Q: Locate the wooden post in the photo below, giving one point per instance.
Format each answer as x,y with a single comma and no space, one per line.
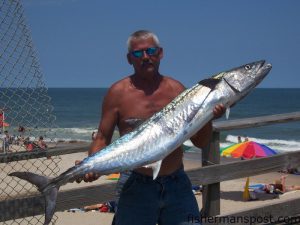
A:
211,192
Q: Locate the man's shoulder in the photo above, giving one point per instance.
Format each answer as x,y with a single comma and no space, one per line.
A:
119,86
121,83
175,84
114,94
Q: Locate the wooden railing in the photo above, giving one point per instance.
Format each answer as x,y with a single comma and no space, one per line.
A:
209,175
211,203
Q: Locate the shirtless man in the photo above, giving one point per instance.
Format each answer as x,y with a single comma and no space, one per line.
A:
167,200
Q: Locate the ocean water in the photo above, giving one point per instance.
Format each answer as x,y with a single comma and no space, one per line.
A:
78,111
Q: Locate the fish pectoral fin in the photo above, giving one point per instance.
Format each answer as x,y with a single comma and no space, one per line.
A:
227,113
155,167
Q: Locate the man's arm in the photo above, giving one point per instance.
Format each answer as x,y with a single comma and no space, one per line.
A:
106,128
107,123
202,137
283,183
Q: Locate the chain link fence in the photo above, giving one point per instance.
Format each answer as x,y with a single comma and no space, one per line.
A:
26,113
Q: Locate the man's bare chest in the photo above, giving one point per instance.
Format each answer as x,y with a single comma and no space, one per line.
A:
143,106
134,111
140,104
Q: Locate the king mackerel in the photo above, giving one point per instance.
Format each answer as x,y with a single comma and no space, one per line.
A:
154,139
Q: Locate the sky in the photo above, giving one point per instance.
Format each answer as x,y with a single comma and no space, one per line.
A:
82,43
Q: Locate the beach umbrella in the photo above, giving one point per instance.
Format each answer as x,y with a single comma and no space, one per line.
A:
225,148
248,150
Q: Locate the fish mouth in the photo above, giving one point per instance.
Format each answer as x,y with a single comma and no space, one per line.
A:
266,66
264,69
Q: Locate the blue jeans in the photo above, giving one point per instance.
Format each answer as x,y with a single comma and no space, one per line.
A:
167,200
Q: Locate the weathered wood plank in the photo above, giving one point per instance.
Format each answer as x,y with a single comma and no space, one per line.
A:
229,171
256,121
272,213
206,175
277,211
62,150
211,192
34,205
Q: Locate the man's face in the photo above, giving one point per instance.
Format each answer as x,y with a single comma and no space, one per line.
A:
145,56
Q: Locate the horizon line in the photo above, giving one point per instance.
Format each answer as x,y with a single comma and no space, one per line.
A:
255,88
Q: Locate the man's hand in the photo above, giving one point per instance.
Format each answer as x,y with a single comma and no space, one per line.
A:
89,177
218,111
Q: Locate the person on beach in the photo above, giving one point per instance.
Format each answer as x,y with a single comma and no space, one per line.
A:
281,186
294,170
239,139
278,187
28,144
94,134
41,143
169,199
6,141
21,131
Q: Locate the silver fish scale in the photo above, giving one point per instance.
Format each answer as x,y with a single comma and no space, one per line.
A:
155,138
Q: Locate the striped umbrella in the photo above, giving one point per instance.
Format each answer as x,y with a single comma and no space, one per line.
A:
248,150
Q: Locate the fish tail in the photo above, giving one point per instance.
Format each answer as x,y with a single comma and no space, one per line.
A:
49,193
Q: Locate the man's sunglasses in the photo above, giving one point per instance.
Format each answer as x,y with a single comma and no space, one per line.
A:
150,51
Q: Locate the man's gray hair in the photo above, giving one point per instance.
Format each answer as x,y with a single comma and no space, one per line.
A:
142,34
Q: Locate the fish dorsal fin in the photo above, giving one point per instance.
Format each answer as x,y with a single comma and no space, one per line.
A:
227,112
155,167
210,82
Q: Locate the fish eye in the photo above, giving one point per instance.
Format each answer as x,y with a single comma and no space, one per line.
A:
247,67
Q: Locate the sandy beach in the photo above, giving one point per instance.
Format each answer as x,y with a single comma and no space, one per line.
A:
231,196
231,191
